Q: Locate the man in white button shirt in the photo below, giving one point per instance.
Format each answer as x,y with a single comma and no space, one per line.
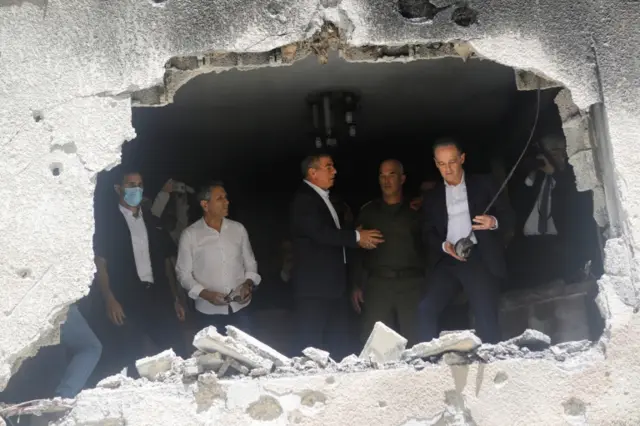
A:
216,264
319,274
454,210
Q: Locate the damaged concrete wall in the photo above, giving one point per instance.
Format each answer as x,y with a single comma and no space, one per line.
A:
68,69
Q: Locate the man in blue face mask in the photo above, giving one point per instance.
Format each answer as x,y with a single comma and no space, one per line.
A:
136,277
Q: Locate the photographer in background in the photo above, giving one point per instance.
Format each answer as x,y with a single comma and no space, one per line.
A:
556,233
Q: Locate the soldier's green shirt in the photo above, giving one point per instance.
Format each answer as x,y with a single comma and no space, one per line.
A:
401,227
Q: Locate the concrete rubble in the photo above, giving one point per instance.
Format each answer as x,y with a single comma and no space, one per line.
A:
383,345
151,367
463,341
240,361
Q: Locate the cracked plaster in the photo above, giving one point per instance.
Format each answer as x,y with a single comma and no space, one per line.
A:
67,70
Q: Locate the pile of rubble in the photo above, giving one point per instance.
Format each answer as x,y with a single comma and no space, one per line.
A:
239,354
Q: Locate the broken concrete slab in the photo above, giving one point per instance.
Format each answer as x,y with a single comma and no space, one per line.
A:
257,346
464,341
209,340
150,367
383,345
318,355
531,339
208,361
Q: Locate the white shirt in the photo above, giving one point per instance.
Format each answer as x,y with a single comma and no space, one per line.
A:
531,225
140,243
459,225
325,197
215,261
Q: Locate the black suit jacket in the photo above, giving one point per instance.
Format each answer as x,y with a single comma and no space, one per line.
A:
318,269
480,191
112,241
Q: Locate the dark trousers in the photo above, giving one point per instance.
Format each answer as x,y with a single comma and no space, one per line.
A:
150,318
240,319
322,323
482,289
394,302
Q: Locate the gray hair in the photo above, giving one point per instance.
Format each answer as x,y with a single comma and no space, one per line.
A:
311,162
396,162
204,193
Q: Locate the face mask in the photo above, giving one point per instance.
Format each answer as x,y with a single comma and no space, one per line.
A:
133,196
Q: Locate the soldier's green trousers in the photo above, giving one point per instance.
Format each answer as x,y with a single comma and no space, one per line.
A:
393,301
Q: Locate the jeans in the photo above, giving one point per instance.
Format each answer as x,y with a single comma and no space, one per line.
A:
78,338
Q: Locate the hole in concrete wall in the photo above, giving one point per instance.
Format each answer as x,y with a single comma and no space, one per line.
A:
56,168
418,10
38,116
464,16
24,272
250,129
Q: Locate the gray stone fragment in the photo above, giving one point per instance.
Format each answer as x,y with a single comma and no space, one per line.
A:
383,345
258,372
239,367
318,355
208,361
454,358
224,367
463,341
209,340
257,346
349,360
531,339
191,368
151,367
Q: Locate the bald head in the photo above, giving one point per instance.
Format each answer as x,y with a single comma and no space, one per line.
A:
391,177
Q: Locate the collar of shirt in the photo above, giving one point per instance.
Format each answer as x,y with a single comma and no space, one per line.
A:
215,231
448,185
128,213
322,192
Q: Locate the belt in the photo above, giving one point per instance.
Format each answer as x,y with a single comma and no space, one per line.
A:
397,273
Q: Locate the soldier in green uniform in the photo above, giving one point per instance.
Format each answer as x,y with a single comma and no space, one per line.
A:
388,282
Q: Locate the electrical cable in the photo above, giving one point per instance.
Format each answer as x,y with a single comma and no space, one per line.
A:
463,246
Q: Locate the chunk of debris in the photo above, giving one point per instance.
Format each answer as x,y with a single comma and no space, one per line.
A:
208,361
239,367
383,345
114,382
318,355
454,358
191,368
463,341
209,340
531,339
224,367
258,372
150,367
258,347
349,360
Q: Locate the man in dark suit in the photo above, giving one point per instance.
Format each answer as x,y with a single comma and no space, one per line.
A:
555,232
319,274
454,210
135,275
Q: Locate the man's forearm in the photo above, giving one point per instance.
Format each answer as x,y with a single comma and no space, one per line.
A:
170,271
103,278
